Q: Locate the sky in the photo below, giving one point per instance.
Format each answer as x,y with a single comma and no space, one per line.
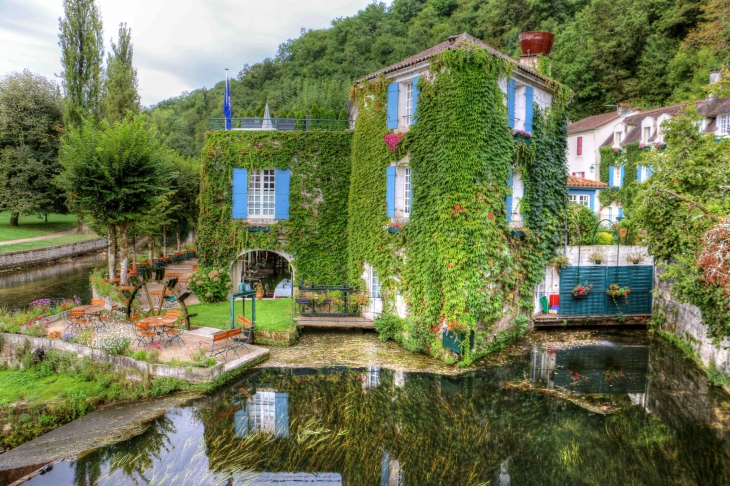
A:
179,45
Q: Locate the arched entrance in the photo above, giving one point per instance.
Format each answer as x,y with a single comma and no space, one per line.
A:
271,268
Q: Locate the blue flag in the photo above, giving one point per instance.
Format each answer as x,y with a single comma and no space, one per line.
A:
227,104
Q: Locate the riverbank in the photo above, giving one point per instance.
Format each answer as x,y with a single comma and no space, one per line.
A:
13,260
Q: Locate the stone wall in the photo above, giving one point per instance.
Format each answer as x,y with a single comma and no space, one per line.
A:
685,320
16,259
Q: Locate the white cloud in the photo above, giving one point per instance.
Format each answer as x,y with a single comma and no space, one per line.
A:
179,45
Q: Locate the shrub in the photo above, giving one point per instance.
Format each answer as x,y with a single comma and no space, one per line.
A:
585,220
210,284
605,238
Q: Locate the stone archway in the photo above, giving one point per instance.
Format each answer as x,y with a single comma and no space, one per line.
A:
237,266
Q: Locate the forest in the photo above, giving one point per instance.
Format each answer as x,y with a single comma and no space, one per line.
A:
645,52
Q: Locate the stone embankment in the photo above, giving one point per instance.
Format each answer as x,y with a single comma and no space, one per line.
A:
25,258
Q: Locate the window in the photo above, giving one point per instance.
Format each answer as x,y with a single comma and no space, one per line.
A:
617,139
647,134
407,192
582,175
408,112
724,124
374,286
617,176
583,199
261,197
647,172
610,214
579,150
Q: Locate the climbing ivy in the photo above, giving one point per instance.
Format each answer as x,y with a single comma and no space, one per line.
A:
464,268
316,231
629,157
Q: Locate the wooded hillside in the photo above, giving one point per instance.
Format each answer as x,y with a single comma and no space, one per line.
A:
646,52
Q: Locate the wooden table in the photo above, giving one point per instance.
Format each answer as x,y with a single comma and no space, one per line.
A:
90,310
152,322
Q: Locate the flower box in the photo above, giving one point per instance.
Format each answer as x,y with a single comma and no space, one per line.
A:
394,230
580,296
259,229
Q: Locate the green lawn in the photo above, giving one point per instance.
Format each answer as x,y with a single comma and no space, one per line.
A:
30,226
59,240
21,385
271,315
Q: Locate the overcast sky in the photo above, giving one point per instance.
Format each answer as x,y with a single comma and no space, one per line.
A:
179,45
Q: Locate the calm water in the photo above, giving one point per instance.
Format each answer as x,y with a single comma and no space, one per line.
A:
58,280
536,419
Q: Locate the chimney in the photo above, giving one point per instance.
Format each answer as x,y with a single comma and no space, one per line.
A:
715,76
623,109
534,44
453,38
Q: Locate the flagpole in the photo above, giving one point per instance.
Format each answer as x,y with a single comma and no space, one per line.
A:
227,122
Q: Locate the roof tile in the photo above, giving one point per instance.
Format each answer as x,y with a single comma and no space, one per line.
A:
574,181
592,122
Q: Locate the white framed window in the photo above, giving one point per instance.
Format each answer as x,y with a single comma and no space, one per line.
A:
617,136
261,195
374,285
724,124
617,176
647,134
583,199
647,172
610,214
408,109
407,192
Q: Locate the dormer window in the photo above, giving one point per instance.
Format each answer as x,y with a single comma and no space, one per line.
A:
617,136
724,124
647,135
408,108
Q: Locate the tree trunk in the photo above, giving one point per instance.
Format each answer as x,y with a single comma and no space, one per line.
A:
46,217
124,251
80,223
151,247
164,240
112,251
134,249
177,235
13,219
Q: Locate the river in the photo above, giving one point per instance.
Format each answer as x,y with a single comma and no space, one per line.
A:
64,279
558,408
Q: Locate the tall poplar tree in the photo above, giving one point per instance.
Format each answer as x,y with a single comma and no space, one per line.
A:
81,38
120,85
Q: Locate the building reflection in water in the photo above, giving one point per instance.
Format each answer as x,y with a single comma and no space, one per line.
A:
391,473
265,412
602,368
371,379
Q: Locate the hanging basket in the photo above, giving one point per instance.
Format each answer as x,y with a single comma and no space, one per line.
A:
580,296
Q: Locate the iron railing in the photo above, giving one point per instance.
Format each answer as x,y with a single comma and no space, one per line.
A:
282,124
316,300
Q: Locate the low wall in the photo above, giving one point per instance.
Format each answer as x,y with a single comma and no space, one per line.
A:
685,320
134,369
16,259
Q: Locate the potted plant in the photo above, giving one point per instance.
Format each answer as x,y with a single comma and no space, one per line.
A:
560,262
522,136
615,291
635,258
395,228
597,257
581,291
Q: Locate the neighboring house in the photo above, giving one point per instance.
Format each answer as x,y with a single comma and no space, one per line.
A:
585,192
523,89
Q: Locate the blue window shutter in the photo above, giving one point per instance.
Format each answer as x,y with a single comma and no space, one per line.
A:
240,193
415,94
620,212
592,197
610,175
392,106
638,173
390,191
508,199
649,171
281,193
621,178
511,103
529,95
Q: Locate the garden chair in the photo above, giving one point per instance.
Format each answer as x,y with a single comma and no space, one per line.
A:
221,344
246,335
141,333
174,332
73,320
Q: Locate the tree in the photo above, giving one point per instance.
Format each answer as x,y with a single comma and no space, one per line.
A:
31,121
116,173
81,38
120,86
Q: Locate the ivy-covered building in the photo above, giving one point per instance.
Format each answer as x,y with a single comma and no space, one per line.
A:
444,201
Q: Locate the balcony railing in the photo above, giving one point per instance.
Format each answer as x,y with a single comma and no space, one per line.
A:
282,124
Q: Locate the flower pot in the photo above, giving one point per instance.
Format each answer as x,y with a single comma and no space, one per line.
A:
580,296
533,43
635,263
597,262
394,230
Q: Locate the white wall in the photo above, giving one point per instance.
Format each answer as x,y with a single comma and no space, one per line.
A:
592,140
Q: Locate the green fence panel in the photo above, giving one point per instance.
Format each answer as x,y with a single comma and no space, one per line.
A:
640,278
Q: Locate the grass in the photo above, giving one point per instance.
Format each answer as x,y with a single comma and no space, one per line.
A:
31,226
59,240
18,385
271,315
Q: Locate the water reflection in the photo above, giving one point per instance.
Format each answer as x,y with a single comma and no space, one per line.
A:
375,426
55,281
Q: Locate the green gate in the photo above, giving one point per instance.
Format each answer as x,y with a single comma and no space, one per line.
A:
639,278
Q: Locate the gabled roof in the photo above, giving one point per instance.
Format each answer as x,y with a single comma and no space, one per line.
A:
574,181
716,106
655,113
592,122
462,41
